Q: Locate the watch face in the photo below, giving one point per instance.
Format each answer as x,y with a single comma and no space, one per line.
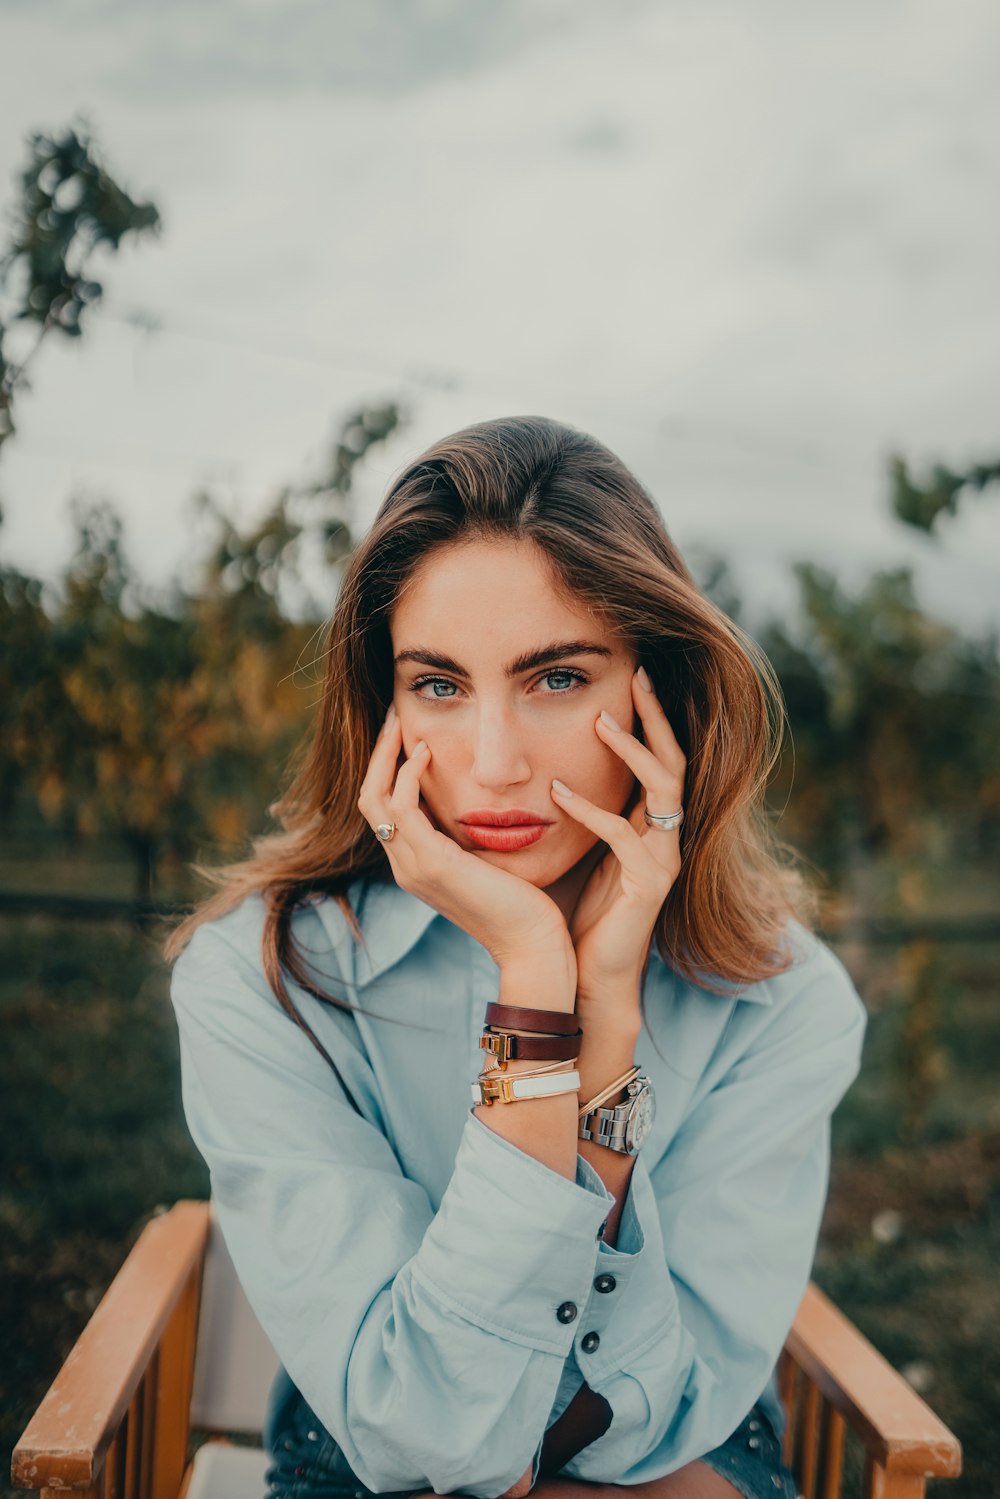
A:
640,1120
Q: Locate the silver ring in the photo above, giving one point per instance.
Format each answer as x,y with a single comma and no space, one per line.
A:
666,823
385,831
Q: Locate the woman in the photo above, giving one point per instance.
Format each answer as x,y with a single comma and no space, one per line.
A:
524,840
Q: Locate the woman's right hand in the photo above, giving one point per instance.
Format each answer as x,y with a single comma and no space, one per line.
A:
507,915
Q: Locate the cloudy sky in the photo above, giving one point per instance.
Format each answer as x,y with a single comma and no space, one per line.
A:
753,248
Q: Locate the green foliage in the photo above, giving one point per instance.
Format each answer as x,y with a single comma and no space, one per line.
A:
251,567
25,643
895,717
70,206
167,724
922,505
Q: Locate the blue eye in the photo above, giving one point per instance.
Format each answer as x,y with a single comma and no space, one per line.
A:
432,682
575,678
561,671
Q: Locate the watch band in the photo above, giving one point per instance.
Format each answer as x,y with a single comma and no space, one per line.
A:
604,1127
625,1127
531,1048
548,1022
511,1089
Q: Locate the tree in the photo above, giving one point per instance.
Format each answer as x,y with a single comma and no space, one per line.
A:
166,722
922,505
895,717
70,207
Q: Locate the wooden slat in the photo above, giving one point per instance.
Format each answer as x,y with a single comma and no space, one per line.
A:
133,1451
173,1405
898,1429
833,1430
807,1457
149,1387
787,1371
65,1443
113,1464
790,1386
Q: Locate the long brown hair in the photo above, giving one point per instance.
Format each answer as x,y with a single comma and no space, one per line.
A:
530,478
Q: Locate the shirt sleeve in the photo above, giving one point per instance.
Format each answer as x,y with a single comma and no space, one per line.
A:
716,1243
430,1344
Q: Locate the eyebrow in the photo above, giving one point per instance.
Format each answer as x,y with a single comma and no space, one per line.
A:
531,659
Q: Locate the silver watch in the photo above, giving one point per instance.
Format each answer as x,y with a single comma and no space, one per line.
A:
626,1127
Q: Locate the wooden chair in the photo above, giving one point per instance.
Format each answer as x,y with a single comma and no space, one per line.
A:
173,1354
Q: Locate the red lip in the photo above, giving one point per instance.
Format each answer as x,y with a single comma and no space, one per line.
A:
513,817
505,840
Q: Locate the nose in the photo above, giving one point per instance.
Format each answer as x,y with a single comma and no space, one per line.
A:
498,751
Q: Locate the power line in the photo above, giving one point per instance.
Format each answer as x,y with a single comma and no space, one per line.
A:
301,353
810,451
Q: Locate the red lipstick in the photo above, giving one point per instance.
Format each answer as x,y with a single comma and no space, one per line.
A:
507,831
511,817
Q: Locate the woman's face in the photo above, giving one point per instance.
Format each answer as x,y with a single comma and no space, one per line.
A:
504,679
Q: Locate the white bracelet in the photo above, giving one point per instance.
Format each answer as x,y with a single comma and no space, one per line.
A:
509,1088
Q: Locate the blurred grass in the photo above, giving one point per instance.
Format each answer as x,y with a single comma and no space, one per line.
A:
911,1234
94,1141
93,1135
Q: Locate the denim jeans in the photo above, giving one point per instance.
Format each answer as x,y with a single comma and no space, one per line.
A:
751,1460
307,1463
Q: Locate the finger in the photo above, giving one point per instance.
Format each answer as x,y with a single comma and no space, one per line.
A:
414,829
656,728
661,784
632,851
404,797
380,776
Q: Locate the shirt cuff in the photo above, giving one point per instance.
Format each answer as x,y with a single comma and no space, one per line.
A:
630,1239
540,1232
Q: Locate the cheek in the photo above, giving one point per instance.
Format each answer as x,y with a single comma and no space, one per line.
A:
618,780
602,776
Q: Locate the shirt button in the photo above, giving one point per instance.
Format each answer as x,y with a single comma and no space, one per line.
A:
590,1342
567,1311
604,1284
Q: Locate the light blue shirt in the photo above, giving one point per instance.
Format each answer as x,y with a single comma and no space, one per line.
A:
408,1266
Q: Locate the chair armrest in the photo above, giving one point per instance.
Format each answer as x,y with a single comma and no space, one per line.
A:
151,1303
899,1431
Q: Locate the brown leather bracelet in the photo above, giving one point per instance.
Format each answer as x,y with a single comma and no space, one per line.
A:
546,1022
531,1048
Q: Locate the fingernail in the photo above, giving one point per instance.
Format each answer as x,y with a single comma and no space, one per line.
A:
612,723
643,676
563,790
391,713
421,744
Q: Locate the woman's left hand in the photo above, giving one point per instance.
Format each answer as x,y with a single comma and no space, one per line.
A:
613,921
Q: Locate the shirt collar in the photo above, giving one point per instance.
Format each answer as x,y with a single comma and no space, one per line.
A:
392,922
